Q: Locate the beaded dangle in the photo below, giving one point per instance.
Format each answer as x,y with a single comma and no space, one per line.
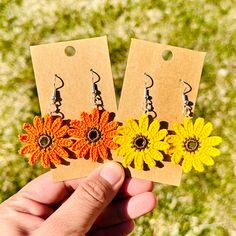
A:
142,141
192,145
46,139
94,132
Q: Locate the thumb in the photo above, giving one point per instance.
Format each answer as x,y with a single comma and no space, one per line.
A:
78,213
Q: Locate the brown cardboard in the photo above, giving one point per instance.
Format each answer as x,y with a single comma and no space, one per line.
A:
50,59
93,53
146,57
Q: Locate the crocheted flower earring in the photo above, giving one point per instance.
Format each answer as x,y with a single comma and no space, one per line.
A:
191,145
47,138
94,132
142,141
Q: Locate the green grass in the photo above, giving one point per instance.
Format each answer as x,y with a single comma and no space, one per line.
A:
204,203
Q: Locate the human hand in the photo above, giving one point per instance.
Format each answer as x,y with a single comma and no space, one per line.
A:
104,203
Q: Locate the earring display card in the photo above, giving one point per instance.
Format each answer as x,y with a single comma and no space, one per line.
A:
167,65
72,61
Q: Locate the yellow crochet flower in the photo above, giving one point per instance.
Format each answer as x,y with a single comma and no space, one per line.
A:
140,142
192,144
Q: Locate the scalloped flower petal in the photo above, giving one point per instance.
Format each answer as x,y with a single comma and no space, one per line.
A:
38,124
149,160
138,160
188,126
179,130
143,123
154,128
198,125
132,124
187,163
206,131
128,158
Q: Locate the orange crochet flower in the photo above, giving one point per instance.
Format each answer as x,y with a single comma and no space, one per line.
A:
94,134
45,139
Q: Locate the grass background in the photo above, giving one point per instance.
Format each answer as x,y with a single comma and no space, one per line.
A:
205,202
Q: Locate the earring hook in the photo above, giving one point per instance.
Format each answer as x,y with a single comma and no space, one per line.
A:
186,86
148,76
60,79
96,94
148,106
187,104
55,102
94,72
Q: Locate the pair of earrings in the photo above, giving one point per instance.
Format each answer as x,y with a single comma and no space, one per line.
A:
95,134
51,138
144,142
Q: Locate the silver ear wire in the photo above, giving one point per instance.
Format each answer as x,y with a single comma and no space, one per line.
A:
95,73
55,104
147,102
96,94
187,110
52,107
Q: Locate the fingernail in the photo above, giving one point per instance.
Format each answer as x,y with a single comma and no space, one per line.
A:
112,173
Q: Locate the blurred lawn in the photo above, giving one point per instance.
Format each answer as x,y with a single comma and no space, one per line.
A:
205,203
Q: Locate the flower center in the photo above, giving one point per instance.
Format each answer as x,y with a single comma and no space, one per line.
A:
94,135
191,144
140,142
44,141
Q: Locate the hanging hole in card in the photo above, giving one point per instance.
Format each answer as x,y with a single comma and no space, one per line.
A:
167,55
70,51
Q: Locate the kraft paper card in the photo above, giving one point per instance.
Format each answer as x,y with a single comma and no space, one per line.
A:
76,94
166,92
